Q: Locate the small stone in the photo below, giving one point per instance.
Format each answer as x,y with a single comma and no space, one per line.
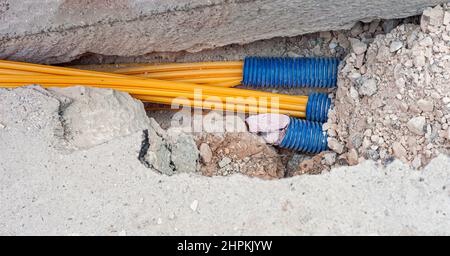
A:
330,158
355,75
374,138
389,25
224,162
2,126
399,151
356,29
373,26
416,162
431,17
334,145
205,153
332,45
447,18
416,125
373,154
366,143
352,157
343,40
395,46
425,105
326,35
427,41
419,60
356,140
358,46
194,205
369,87
354,93
159,221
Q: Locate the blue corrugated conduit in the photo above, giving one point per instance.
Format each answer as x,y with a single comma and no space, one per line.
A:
305,136
317,107
285,72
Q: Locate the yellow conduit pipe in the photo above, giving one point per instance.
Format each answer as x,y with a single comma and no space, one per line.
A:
189,95
230,83
207,80
195,74
179,66
150,83
223,106
22,66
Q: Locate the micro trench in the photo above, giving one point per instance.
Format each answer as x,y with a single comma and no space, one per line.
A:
324,80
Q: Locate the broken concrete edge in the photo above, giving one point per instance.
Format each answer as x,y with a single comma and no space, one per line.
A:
89,117
170,27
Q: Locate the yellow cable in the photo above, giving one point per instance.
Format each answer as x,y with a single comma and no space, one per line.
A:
206,80
22,66
168,85
230,83
190,95
179,67
221,106
195,74
217,81
5,71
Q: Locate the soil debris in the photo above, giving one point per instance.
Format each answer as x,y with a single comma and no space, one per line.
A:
395,103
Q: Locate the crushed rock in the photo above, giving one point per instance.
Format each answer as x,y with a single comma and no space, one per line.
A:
240,152
406,115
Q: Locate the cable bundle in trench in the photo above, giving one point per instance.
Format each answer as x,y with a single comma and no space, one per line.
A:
215,93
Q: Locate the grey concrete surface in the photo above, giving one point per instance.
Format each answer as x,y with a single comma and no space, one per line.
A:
62,30
106,190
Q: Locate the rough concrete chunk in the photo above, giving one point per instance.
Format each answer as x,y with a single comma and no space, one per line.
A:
184,152
60,31
95,115
431,17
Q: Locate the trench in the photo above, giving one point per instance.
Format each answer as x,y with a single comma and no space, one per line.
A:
240,152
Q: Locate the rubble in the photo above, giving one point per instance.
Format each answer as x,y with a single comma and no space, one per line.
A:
396,106
240,152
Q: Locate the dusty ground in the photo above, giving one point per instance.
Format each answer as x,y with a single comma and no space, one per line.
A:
106,190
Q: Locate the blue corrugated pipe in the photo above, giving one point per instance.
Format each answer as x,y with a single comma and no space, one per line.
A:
317,107
305,136
274,72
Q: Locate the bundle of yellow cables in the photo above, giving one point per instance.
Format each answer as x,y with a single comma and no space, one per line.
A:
219,73
162,84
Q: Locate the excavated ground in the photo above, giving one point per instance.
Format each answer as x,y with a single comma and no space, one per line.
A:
88,161
242,152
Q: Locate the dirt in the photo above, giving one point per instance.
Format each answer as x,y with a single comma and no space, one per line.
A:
243,153
393,99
